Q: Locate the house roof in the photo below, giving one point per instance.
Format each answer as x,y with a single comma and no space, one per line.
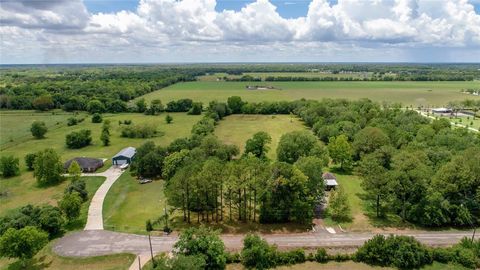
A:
128,152
328,175
84,162
331,182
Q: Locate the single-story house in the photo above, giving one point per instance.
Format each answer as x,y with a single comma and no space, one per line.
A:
126,155
441,110
330,180
86,164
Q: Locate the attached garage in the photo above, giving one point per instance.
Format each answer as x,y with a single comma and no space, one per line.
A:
125,156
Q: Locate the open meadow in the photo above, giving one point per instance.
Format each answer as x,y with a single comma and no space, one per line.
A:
237,129
432,94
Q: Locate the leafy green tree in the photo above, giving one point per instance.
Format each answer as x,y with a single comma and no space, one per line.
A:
78,139
79,187
168,119
95,106
43,103
294,145
258,144
368,140
9,166
173,162
141,105
205,243
196,109
50,220
312,168
340,151
23,243
338,206
235,104
70,205
105,135
30,160
48,168
156,107
38,129
257,253
74,171
97,118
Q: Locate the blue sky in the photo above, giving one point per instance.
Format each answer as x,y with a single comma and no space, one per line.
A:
286,8
157,31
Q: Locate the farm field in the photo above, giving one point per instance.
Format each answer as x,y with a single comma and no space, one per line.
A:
237,129
431,94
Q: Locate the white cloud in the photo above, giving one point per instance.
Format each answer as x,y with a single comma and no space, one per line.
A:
167,28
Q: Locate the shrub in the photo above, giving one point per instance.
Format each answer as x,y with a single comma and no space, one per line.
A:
30,160
9,166
168,118
96,118
72,121
38,129
78,187
139,131
291,257
321,256
196,109
234,258
78,139
256,253
70,205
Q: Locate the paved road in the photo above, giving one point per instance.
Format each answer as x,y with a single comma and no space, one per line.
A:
100,242
95,218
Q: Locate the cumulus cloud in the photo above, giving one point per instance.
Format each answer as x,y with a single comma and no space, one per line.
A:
173,26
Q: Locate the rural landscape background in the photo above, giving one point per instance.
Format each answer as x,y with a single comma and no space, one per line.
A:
256,134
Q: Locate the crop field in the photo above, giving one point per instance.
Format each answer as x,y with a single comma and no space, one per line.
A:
430,94
237,129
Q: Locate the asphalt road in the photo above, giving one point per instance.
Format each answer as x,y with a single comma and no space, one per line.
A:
100,242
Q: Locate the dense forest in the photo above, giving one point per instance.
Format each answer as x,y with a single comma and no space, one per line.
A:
425,172
109,88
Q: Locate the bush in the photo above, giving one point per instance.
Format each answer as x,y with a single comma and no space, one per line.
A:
70,205
38,129
168,118
78,187
196,109
72,121
321,256
78,139
139,131
30,161
398,251
234,258
96,118
9,166
291,257
256,253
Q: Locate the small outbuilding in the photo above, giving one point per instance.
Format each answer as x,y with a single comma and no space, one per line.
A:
330,180
86,164
125,156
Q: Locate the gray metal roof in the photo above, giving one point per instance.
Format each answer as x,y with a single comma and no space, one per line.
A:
128,152
331,183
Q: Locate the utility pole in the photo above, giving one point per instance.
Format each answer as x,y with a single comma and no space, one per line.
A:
151,250
139,263
473,236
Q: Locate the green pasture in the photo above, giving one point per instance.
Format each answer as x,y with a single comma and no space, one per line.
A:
430,94
237,129
129,204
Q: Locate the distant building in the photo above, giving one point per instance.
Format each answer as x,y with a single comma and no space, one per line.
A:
126,155
442,110
86,164
330,180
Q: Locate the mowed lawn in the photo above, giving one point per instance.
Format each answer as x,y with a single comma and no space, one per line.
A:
431,94
237,129
129,204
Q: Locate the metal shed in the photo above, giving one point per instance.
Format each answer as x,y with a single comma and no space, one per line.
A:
126,155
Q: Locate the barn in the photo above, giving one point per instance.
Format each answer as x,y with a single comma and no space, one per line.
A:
126,155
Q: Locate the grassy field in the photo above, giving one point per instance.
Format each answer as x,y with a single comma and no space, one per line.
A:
237,129
15,125
48,260
129,204
23,190
431,94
